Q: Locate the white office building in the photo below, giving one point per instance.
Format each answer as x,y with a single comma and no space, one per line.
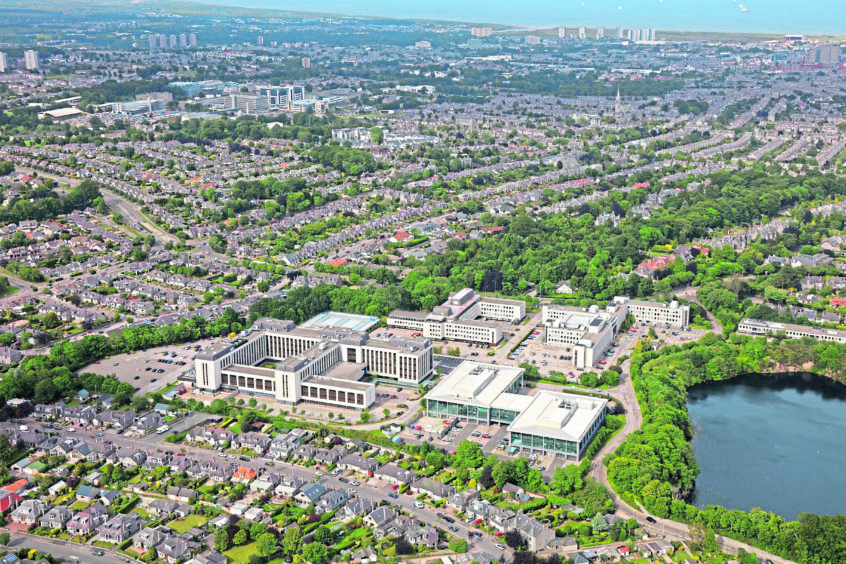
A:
465,316
671,314
320,365
4,62
586,333
548,423
758,328
281,96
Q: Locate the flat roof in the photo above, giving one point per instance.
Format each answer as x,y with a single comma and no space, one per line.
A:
401,313
251,370
475,383
503,301
342,320
349,371
558,415
63,112
512,402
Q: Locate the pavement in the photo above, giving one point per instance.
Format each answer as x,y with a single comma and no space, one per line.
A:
66,551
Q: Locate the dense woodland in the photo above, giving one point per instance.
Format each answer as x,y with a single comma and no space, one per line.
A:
656,467
41,202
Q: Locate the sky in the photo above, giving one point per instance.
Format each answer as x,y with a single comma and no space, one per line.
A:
759,16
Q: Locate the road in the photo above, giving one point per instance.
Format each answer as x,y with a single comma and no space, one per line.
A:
133,216
663,528
689,293
66,551
370,487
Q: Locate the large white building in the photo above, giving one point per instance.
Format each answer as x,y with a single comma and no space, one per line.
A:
758,327
4,62
321,364
549,423
672,314
465,316
281,96
31,61
586,332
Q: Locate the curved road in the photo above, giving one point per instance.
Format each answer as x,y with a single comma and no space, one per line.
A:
663,528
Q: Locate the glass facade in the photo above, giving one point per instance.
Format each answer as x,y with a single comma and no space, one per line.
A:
435,408
548,444
504,416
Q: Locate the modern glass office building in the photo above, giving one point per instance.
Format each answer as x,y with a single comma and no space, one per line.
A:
548,423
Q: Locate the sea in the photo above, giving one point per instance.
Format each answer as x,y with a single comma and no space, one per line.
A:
728,16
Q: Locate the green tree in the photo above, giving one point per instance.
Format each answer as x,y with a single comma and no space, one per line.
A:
240,537
266,544
315,553
566,479
377,135
468,455
598,523
324,534
292,541
257,529
221,539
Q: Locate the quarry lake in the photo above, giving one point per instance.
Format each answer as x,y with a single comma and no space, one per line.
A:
774,441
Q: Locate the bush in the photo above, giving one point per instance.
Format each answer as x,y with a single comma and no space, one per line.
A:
458,545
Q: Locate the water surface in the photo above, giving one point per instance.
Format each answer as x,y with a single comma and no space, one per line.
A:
771,441
769,16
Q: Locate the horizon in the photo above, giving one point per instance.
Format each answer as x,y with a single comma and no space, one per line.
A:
721,16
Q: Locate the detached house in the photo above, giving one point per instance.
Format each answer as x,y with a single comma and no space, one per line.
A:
86,521
28,512
256,442
432,488
120,527
56,517
332,501
395,475
310,494
357,462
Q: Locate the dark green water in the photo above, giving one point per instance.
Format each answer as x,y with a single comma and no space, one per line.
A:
771,441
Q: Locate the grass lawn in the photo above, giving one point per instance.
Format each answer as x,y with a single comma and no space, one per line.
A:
131,553
63,536
235,428
79,505
182,525
241,554
103,544
141,512
62,500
